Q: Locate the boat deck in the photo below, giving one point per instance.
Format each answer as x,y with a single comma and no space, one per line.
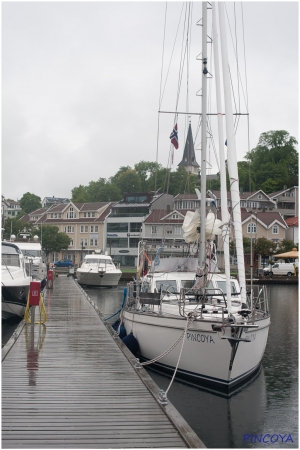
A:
72,384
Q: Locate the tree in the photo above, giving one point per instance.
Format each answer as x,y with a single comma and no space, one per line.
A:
15,226
129,181
246,178
145,170
286,245
274,161
264,247
94,188
52,240
79,194
109,193
30,202
122,169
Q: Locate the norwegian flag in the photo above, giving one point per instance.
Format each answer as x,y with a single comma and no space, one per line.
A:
174,137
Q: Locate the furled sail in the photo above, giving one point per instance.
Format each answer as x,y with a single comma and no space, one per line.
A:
192,222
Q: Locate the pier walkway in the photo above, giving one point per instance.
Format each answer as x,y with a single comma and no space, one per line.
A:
72,384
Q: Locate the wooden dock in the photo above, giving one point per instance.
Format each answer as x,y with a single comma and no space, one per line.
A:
72,384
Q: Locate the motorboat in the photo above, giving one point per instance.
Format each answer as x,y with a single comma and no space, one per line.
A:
34,261
15,281
98,270
190,319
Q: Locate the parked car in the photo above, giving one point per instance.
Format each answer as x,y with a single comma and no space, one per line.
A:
286,269
64,263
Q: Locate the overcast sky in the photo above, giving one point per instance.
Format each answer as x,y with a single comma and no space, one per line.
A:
81,82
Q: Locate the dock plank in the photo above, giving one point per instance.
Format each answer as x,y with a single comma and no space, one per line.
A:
72,384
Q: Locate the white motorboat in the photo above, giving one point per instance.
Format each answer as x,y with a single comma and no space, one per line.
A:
34,261
205,326
98,270
15,281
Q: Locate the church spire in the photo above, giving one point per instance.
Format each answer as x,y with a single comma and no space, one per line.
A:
189,159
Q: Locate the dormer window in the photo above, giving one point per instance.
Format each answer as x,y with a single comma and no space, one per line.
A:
175,216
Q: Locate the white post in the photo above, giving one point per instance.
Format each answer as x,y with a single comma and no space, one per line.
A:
202,250
224,208
231,158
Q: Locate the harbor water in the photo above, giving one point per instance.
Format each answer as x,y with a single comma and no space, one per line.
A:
264,412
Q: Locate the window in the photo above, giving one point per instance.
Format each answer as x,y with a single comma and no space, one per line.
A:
135,227
83,242
153,229
242,204
169,230
86,228
117,242
175,216
92,228
254,204
259,196
51,215
71,214
275,229
93,242
121,227
69,229
177,229
71,243
93,214
133,242
96,228
81,229
251,226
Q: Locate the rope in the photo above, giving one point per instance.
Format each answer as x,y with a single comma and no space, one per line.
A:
189,322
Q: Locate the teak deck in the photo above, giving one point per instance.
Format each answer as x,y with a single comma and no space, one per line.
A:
72,384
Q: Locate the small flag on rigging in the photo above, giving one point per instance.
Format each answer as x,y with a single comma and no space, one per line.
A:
174,137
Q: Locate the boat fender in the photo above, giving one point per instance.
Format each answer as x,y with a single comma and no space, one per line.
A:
131,343
116,324
122,332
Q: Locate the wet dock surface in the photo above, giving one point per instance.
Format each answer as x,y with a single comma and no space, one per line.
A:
69,385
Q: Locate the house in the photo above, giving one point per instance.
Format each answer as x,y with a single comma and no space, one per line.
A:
163,228
124,224
287,201
251,201
292,232
82,222
50,201
9,208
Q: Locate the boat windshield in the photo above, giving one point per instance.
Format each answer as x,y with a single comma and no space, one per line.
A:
166,286
98,261
10,260
222,285
31,253
187,284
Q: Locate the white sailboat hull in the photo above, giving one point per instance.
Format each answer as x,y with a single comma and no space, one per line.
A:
206,356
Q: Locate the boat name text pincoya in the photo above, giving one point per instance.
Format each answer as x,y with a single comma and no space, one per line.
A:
199,338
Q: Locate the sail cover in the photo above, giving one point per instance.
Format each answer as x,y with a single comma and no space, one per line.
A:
192,222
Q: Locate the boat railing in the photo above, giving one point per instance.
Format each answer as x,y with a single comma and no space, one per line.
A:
258,300
136,297
209,296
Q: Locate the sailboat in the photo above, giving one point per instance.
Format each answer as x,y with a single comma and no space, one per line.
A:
206,326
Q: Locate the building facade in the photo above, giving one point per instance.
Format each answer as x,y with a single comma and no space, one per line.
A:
124,224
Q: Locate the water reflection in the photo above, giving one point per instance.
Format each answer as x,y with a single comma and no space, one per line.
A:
32,334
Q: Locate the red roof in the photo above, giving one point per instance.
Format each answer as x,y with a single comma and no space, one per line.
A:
292,221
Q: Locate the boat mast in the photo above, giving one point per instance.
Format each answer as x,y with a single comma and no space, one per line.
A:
231,158
224,208
202,249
